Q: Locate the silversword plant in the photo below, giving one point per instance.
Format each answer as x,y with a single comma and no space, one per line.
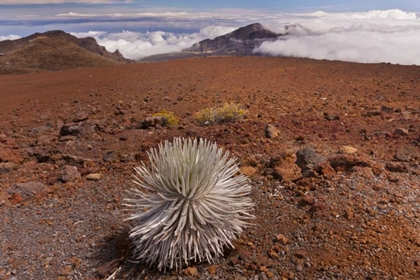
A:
190,205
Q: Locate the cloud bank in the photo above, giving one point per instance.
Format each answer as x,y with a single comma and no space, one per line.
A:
372,37
136,45
9,37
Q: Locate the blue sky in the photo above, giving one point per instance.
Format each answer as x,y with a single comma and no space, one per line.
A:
282,6
290,5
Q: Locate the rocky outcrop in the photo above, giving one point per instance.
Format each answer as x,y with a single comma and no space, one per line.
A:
88,43
240,41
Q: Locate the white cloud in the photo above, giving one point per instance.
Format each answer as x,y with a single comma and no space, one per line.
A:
9,37
22,2
125,15
375,14
94,34
371,37
136,45
212,32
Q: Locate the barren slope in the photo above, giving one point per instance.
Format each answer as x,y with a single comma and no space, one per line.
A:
87,43
50,54
322,211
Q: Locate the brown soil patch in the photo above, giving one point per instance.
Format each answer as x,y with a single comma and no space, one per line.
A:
326,212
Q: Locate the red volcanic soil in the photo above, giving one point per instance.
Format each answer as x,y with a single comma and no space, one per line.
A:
69,141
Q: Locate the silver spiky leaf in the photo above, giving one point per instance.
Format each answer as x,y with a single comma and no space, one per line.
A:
191,204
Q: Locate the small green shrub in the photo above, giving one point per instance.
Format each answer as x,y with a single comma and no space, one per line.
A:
229,112
170,116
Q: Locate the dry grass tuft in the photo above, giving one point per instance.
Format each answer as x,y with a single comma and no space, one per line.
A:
229,112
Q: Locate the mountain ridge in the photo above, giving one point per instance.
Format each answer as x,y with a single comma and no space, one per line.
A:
87,43
54,51
242,40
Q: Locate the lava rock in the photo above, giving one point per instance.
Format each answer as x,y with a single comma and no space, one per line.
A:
308,159
284,167
70,174
28,190
153,122
71,129
271,131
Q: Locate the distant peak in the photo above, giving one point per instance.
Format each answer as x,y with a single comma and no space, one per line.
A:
241,40
256,24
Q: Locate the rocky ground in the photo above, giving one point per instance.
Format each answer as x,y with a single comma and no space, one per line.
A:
332,150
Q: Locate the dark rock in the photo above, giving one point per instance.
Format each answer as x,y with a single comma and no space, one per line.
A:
152,122
309,159
329,117
71,129
387,109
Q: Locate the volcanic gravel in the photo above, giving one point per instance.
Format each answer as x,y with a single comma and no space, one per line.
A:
332,150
